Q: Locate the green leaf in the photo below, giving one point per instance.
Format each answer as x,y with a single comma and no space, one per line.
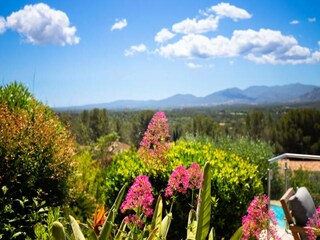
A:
192,225
78,235
157,215
237,235
165,225
107,226
18,234
58,231
204,207
212,234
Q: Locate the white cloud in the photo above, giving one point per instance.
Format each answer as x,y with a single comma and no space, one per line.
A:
312,19
40,24
263,46
196,46
135,49
294,22
2,25
163,36
119,24
193,65
230,11
189,26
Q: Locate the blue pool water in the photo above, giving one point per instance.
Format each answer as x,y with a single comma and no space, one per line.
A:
278,211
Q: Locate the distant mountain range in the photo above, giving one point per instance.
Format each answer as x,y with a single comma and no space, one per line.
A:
255,95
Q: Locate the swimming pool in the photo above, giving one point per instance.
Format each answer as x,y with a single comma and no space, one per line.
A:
278,211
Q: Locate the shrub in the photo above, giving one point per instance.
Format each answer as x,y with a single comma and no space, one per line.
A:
36,156
234,182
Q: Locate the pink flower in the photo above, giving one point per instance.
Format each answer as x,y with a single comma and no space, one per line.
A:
139,197
155,142
178,182
195,176
314,225
258,219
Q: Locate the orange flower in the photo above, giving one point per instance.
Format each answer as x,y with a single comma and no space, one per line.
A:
99,218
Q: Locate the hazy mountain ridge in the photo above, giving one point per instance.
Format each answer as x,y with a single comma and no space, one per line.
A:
254,95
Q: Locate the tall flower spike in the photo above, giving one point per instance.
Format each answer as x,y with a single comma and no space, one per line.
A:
178,182
155,142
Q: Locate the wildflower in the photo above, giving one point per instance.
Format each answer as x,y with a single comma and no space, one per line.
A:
155,142
99,218
178,182
195,176
139,197
313,225
258,220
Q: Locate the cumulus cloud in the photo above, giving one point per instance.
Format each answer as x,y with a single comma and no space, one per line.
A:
163,36
263,46
190,26
294,22
135,49
2,25
119,24
230,11
312,19
40,24
193,65
196,46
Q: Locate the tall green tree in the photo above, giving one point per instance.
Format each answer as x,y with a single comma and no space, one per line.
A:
298,131
140,125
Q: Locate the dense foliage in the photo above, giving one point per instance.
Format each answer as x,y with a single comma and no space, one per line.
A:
288,130
36,159
234,181
299,131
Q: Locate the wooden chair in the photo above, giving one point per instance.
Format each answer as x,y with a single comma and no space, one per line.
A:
295,230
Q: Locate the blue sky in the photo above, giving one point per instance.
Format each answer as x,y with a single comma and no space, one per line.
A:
81,52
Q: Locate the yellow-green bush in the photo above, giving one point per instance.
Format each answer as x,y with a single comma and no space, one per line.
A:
234,182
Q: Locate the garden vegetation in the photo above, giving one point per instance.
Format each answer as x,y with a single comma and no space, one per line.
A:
53,167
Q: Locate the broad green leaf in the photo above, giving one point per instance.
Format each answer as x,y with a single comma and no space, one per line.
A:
212,234
107,226
204,207
165,225
237,235
58,231
192,225
157,215
78,235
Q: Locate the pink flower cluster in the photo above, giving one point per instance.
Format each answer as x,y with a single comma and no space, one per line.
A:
155,142
258,219
139,197
314,225
181,179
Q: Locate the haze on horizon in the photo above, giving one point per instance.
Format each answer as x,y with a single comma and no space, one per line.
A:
70,53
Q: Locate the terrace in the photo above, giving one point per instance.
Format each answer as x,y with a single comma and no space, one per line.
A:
288,163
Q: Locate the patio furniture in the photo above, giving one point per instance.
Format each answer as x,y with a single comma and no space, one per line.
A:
298,207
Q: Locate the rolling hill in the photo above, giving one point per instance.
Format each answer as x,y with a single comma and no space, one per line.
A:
254,95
